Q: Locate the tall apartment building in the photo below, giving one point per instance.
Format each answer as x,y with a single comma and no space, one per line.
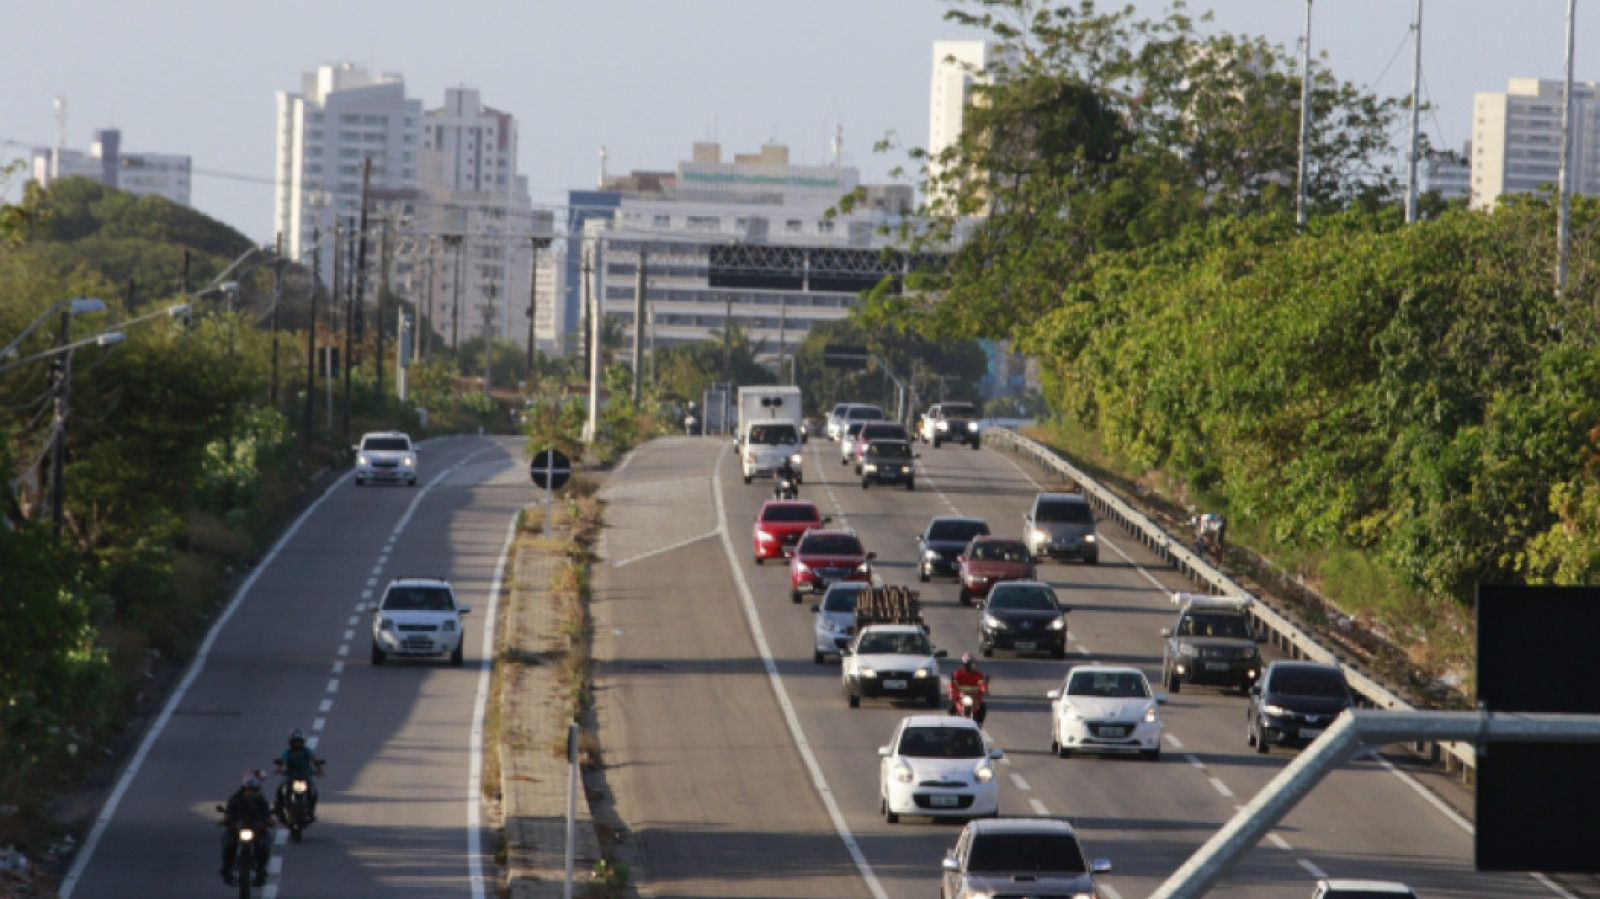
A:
146,174
772,211
957,66
1516,140
342,116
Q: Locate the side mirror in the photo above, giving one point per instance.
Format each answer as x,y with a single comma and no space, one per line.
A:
941,654
1162,698
817,608
826,519
355,448
871,556
885,750
1100,866
951,864
1166,632
1053,694
462,610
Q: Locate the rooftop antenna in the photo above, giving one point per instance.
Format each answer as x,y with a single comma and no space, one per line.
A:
838,145
60,104
602,184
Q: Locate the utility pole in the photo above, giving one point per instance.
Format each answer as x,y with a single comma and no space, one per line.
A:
1416,111
727,338
277,299
539,243
311,338
1305,120
360,295
455,305
638,324
383,291
488,339
423,347
588,330
62,372
349,329
1564,223
596,322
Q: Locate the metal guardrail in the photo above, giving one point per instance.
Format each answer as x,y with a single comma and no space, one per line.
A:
1281,631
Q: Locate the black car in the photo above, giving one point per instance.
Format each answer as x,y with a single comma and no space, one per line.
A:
1213,643
889,462
1023,616
942,540
1294,703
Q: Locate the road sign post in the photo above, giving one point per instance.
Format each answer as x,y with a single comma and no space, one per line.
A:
550,470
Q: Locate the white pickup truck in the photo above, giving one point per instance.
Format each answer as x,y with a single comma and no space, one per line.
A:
950,423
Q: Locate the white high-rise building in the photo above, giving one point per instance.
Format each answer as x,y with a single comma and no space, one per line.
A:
341,116
145,174
1516,140
957,66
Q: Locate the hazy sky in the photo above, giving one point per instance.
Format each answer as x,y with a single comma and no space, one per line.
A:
643,78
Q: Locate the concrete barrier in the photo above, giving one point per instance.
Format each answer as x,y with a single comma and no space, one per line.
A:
1278,628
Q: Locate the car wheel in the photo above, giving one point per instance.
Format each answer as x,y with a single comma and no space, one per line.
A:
457,656
852,697
922,575
963,597
760,560
865,483
889,817
1062,752
360,482
933,700
1092,559
935,443
1174,683
817,656
794,596
378,655
1059,652
1262,746
1151,755
747,479
976,443
988,651
911,483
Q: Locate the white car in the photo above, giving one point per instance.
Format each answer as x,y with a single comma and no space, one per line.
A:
844,414
940,766
836,618
1105,708
418,616
1362,889
386,456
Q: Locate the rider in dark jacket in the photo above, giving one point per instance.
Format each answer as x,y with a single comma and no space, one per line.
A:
247,806
298,762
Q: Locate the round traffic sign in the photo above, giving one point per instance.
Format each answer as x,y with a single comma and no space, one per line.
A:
550,469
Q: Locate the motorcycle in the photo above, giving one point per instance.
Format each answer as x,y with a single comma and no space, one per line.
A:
786,487
1208,534
970,701
294,800
251,846
691,425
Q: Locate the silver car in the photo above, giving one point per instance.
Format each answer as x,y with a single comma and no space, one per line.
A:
1061,526
387,457
836,619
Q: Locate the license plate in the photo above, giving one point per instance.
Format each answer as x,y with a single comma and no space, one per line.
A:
894,685
1113,731
1310,733
944,801
1216,666
1026,644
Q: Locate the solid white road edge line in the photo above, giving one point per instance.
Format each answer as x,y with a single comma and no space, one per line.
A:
801,743
480,707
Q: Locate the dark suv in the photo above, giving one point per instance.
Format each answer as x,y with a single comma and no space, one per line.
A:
1294,703
1036,857
889,462
944,539
1212,642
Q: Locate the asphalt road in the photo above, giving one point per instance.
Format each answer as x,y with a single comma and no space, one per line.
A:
740,770
399,805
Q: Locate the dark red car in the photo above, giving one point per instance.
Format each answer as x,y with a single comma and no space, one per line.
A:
779,525
825,557
989,560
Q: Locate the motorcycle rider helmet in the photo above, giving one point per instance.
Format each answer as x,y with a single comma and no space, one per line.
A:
297,736
250,781
966,658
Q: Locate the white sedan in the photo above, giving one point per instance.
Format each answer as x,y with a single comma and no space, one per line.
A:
940,766
1101,708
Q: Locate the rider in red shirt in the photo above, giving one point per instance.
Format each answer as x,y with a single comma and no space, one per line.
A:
968,675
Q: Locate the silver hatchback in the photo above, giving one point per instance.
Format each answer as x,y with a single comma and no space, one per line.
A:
1061,526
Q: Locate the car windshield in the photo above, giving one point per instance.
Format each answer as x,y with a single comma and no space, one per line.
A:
1063,512
999,552
854,429
773,435
841,598
1322,682
387,444
957,531
1054,852
790,513
957,410
909,643
890,431
832,545
942,742
1215,624
418,599
1026,599
883,450
865,413
1118,684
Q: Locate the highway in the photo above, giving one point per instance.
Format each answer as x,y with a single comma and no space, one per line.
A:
399,813
740,771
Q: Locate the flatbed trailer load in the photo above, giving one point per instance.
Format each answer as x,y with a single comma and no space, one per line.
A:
894,604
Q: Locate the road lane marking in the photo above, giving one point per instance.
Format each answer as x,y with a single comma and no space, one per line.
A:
344,649
665,549
1038,807
1019,782
1172,739
475,850
1279,842
1221,787
1110,892
333,685
1309,866
325,706
349,635
338,667
318,723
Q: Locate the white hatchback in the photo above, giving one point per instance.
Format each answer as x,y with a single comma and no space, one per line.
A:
941,766
1104,708
418,616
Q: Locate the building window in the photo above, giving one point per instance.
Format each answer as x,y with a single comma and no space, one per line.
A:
704,222
792,226
825,226
661,221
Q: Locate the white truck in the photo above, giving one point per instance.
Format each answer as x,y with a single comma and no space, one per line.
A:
769,429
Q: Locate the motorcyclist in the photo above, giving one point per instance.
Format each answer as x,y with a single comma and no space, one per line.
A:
691,419
247,806
298,763
786,474
1210,532
968,675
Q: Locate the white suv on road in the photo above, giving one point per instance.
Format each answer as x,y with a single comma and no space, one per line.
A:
386,456
418,616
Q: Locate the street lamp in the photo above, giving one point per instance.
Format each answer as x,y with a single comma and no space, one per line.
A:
72,306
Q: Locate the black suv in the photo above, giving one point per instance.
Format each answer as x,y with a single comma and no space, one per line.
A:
1018,857
1294,703
1212,642
889,462
944,539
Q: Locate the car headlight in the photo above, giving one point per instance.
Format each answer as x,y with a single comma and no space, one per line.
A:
868,673
1041,535
941,426
764,537
448,627
993,623
796,459
363,459
985,773
864,568
902,772
831,626
869,467
1276,711
925,673
1059,624
1088,538
930,555
1150,716
1185,649
1070,713
408,462
801,567
972,426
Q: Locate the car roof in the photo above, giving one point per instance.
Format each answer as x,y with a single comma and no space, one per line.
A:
1288,665
955,722
1019,583
418,579
1020,825
791,502
832,532
1371,886
1061,497
1217,603
994,538
1108,669
889,440
385,434
946,519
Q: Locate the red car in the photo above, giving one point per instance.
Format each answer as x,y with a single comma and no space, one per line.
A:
779,525
824,557
989,560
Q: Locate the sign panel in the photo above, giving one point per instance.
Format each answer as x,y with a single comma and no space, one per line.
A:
550,469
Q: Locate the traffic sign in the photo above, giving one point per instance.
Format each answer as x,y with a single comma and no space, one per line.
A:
550,469
835,355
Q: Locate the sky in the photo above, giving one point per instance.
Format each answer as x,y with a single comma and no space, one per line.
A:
645,79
